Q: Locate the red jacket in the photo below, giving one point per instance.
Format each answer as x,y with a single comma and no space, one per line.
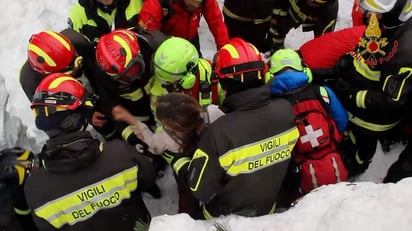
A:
182,23
325,51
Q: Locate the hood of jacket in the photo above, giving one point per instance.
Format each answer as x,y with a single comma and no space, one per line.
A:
246,100
70,152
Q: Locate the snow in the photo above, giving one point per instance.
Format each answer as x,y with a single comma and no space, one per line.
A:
365,204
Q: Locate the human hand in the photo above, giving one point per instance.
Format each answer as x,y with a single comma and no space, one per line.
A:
98,119
120,113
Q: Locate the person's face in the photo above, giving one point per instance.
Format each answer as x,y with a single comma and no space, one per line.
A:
105,2
192,5
367,15
312,3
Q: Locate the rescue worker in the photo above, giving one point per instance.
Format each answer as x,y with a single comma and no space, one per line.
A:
375,86
243,17
181,18
15,165
49,52
247,151
318,16
178,68
124,58
320,118
94,18
67,51
83,184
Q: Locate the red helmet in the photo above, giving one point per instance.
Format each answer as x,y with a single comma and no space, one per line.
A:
50,52
238,57
118,54
61,91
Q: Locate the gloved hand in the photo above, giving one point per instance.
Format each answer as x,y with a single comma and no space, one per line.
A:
15,163
169,156
345,91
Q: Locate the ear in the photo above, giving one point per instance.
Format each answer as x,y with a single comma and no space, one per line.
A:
188,81
268,76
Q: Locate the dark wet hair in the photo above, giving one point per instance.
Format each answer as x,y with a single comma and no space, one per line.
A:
182,117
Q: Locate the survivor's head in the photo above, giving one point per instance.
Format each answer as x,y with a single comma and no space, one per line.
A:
182,117
61,104
239,66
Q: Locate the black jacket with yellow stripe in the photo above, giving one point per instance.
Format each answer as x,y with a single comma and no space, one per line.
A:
243,156
380,79
93,19
135,96
30,78
86,185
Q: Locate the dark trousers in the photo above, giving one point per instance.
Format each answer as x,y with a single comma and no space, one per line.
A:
402,168
187,203
257,34
358,153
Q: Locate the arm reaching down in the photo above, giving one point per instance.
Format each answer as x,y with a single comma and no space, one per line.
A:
158,142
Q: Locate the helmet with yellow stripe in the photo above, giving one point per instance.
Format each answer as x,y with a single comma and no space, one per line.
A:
238,57
50,52
239,66
61,102
118,54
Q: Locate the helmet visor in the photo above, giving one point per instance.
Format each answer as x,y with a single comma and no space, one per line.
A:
133,71
58,99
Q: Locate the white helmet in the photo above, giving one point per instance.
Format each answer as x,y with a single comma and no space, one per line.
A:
378,6
398,11
406,11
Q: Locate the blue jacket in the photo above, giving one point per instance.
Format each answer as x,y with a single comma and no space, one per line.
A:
292,80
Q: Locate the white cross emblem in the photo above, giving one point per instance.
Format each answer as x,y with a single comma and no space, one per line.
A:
311,136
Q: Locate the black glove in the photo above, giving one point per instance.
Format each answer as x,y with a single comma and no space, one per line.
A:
15,163
344,67
345,91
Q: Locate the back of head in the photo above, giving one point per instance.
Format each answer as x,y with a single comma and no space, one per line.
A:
118,54
239,66
283,58
395,12
61,104
175,62
50,52
182,118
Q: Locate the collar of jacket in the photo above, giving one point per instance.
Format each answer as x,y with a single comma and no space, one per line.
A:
70,152
107,8
246,100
